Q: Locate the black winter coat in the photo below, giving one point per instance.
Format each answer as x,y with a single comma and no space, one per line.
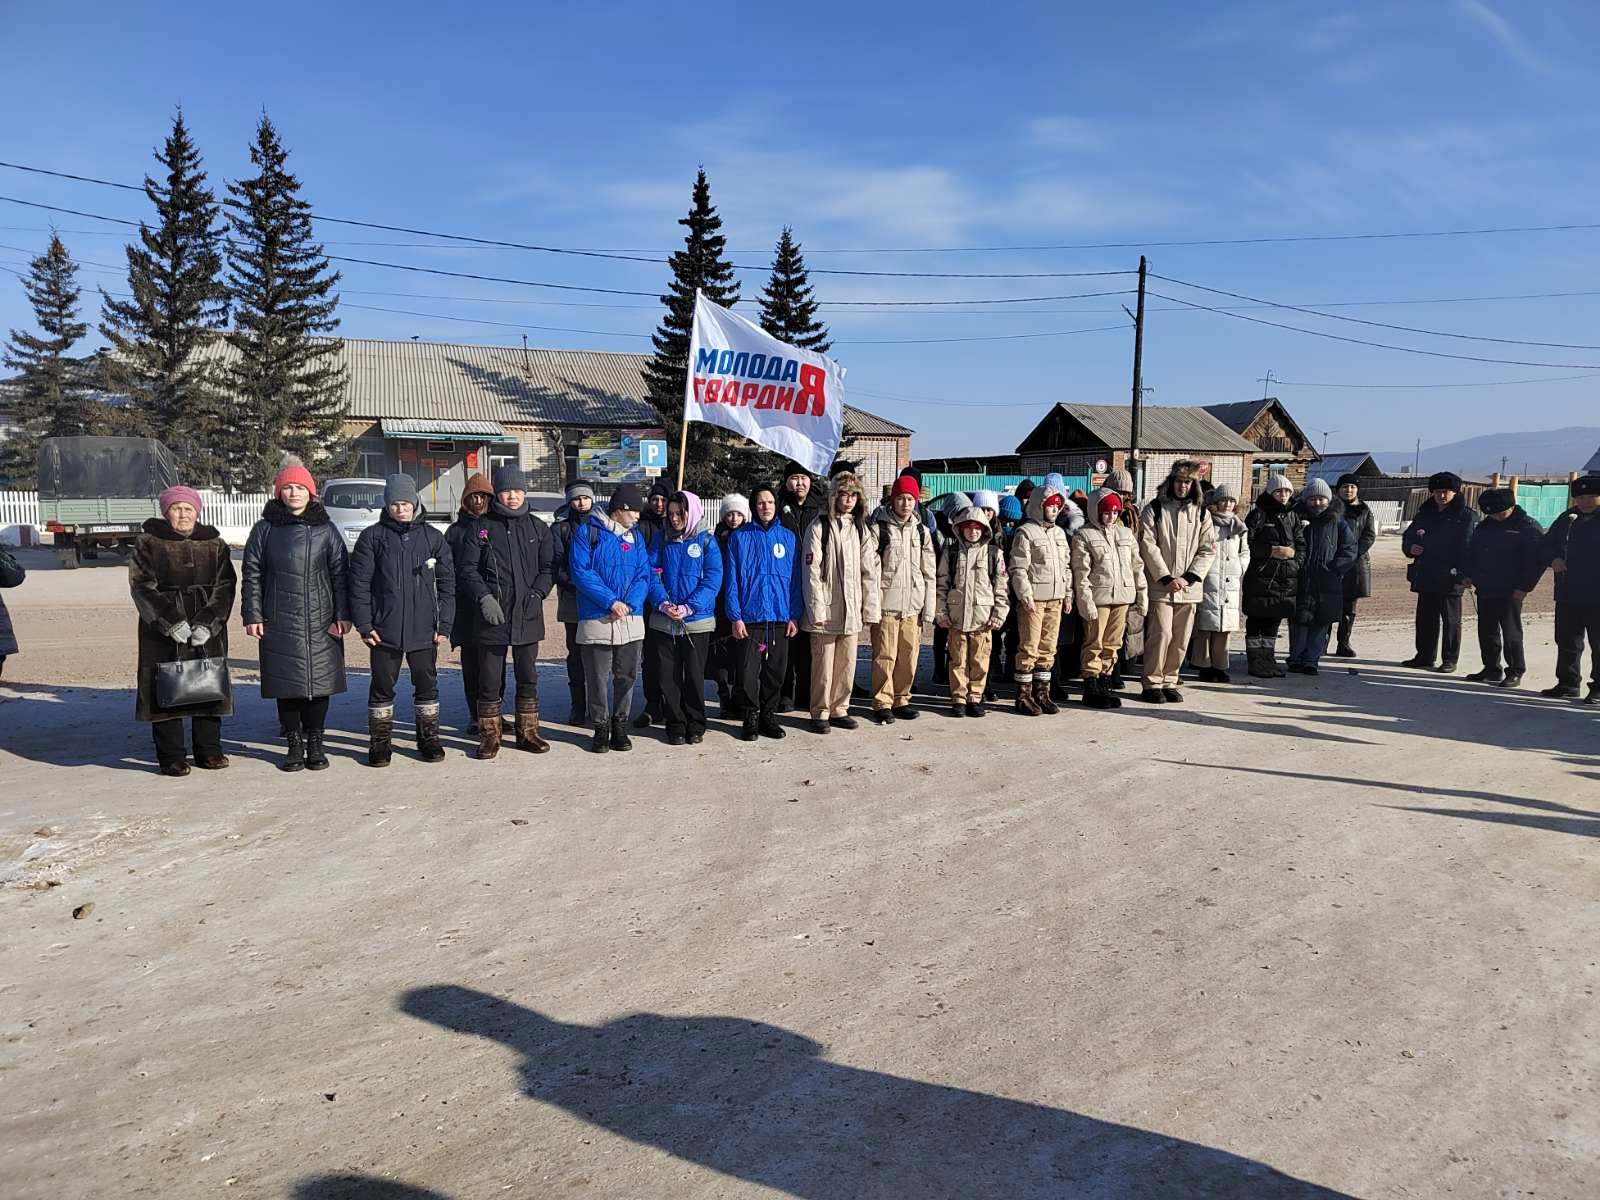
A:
11,575
566,590
1503,556
1444,536
402,583
176,579
1358,580
1574,538
1271,585
512,558
794,514
295,583
460,535
1331,551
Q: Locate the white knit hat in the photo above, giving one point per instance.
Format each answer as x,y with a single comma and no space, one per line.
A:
733,502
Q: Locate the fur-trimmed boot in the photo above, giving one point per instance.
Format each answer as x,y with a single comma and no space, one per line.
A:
528,726
429,747
488,729
1258,657
1094,692
1026,704
380,735
1043,698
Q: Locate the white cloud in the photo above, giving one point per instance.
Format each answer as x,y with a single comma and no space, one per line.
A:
1509,40
1069,133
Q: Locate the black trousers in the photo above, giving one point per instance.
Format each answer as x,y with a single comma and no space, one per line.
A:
472,678
492,672
722,664
761,671
424,666
1347,621
1439,626
941,658
1574,622
1068,664
168,737
575,678
796,689
301,715
652,672
1500,627
681,668
1262,627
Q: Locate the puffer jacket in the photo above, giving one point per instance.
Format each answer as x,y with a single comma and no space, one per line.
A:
1443,535
176,579
606,567
463,532
1221,610
402,583
512,558
1503,556
295,582
839,589
1177,541
686,569
906,558
761,579
1041,555
1272,584
1330,553
11,575
1106,568
1574,539
1358,582
974,584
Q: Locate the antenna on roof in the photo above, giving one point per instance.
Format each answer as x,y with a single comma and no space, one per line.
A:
527,363
1266,386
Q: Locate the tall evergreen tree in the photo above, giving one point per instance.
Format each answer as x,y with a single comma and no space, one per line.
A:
788,309
178,300
288,384
49,395
718,461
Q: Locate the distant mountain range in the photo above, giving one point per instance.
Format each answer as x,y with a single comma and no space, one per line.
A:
1543,452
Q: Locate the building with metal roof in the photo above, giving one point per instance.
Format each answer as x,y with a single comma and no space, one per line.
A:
1356,462
1282,447
1091,439
1592,467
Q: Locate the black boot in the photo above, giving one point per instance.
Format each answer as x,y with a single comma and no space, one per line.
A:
579,710
295,760
316,757
380,735
619,733
601,742
752,727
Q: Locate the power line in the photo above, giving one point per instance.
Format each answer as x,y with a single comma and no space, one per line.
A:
1311,312
1338,337
1429,386
1285,239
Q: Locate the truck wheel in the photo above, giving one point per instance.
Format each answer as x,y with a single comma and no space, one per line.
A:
92,552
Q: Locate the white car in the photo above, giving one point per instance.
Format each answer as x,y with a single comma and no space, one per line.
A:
353,505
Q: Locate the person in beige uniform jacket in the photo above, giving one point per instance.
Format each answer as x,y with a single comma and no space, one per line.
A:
839,596
1177,543
1041,579
906,598
1108,581
974,599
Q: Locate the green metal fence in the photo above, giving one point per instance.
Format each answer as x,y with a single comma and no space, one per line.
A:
1544,502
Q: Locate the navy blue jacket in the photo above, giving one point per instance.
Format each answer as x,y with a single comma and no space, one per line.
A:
1503,556
1574,538
761,582
1331,550
402,583
1443,535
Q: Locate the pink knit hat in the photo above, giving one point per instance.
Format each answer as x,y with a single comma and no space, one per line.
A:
176,494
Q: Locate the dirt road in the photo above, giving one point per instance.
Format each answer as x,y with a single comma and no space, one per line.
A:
1319,938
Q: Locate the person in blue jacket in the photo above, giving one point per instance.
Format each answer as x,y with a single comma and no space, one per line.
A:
762,597
685,579
609,565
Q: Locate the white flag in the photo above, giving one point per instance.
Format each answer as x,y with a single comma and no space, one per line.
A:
742,378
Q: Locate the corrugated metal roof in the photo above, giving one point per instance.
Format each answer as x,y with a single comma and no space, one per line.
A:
1237,416
407,427
1164,427
860,423
443,381
1593,465
1357,462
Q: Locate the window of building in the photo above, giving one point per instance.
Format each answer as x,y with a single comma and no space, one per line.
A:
371,458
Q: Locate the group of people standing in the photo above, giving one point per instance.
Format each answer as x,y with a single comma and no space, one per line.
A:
772,604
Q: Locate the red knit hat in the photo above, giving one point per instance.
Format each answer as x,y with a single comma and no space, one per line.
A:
906,486
1109,502
294,473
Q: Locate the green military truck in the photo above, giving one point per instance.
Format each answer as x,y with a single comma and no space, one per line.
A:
96,492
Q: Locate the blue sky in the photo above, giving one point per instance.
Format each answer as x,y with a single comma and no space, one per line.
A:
927,125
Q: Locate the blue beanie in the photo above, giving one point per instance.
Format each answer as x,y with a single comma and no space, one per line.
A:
1010,508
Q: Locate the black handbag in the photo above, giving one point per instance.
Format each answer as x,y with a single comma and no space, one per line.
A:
190,681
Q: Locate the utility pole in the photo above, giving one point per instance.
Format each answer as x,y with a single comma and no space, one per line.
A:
1134,426
1266,386
1503,459
1416,462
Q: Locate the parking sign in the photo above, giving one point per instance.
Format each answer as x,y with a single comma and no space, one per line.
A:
652,454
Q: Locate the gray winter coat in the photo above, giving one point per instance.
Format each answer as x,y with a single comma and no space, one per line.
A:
294,583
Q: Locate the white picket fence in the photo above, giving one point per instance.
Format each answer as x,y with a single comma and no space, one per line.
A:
232,513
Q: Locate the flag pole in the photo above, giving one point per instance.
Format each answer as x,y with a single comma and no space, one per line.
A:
688,383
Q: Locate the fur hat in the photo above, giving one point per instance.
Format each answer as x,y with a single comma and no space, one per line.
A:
178,493
508,477
1278,483
794,468
1348,480
734,502
1184,468
1317,487
1586,485
1497,500
294,471
1444,481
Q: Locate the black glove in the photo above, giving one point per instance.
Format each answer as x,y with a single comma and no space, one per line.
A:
493,614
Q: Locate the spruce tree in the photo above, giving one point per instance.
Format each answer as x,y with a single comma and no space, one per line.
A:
788,309
718,461
178,300
287,384
49,396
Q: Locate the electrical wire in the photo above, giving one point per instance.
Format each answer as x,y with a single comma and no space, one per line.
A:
1491,383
